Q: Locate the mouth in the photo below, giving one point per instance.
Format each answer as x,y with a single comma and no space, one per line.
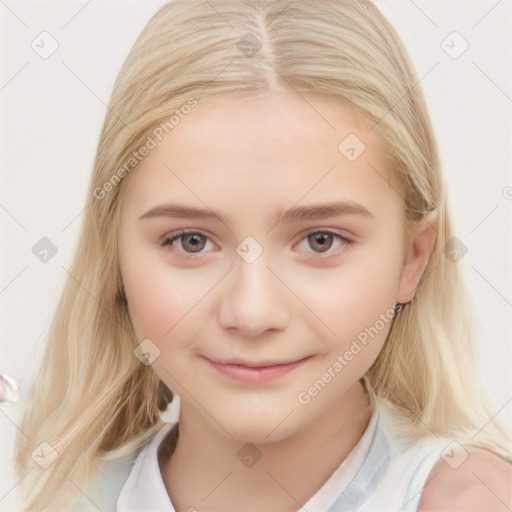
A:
249,371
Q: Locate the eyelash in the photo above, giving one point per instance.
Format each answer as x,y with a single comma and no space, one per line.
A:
169,239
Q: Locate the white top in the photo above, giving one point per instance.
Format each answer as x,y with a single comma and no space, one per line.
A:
380,473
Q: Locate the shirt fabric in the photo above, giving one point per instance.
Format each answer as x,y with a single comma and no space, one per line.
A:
381,473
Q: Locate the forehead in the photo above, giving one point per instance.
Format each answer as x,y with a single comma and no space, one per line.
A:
242,151
279,119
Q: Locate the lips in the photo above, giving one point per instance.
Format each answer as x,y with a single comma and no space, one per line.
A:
253,372
262,364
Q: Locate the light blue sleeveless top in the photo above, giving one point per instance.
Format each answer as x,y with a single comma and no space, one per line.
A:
380,473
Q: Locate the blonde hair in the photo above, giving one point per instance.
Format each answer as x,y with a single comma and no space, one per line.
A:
92,395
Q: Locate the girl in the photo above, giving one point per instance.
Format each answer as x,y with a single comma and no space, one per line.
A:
260,314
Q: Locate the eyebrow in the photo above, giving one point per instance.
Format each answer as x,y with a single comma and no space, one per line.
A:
294,214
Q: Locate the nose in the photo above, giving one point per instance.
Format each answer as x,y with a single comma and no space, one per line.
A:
254,299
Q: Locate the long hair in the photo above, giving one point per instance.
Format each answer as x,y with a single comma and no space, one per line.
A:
92,396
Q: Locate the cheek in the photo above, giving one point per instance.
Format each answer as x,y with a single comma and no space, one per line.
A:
154,304
355,302
153,311
163,301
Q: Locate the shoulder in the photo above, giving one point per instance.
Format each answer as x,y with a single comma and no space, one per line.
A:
478,481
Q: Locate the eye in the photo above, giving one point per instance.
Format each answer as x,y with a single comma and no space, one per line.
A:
191,242
324,240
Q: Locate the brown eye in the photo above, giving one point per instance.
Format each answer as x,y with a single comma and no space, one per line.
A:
190,242
193,243
323,244
322,241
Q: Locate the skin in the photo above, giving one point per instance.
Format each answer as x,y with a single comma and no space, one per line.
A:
482,482
249,158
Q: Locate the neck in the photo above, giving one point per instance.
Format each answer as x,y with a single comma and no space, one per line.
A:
204,474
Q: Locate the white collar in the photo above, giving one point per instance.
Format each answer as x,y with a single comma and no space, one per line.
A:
144,490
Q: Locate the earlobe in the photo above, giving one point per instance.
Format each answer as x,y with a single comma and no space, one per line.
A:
419,245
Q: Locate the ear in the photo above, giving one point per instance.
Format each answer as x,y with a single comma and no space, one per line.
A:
417,254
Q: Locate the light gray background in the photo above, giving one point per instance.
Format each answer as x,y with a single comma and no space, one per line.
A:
53,109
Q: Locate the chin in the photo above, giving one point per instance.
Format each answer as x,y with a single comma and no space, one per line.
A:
258,429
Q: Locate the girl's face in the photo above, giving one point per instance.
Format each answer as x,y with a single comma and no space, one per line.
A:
250,181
